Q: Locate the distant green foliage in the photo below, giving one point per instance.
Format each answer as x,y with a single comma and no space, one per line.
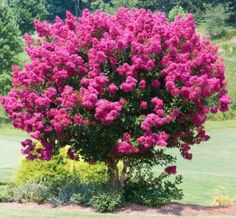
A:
5,85
59,8
113,5
59,167
215,20
10,45
27,11
177,10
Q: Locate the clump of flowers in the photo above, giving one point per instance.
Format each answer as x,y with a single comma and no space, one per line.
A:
116,86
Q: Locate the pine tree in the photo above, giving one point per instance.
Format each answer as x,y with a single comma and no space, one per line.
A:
28,10
10,45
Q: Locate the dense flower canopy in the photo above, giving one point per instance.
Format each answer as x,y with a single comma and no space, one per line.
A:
120,84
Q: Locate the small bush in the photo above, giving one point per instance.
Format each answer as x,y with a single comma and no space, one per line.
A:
31,192
99,196
221,199
153,192
107,201
76,198
59,168
86,190
66,193
6,193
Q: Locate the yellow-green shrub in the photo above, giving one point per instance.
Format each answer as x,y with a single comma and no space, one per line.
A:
60,167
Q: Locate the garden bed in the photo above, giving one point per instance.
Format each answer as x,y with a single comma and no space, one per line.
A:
174,209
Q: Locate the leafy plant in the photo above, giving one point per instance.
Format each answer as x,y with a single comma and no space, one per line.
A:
221,199
107,201
143,187
76,198
31,192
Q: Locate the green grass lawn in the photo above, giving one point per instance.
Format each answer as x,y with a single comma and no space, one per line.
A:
213,165
10,151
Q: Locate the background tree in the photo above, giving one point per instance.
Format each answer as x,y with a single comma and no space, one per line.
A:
215,18
28,10
110,6
10,45
59,7
177,10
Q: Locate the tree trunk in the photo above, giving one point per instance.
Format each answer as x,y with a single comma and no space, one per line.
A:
123,174
117,180
113,173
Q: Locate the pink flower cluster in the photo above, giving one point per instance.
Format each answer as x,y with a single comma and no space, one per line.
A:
107,111
129,72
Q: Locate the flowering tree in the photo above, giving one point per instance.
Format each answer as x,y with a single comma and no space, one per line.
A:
116,87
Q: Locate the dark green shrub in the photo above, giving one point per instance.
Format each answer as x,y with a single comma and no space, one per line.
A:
107,201
69,190
99,196
76,198
6,193
143,187
31,192
153,192
86,190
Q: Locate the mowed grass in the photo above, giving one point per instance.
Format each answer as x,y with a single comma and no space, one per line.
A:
10,155
213,167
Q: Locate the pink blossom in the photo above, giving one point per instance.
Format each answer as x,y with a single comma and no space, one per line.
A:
107,112
112,89
155,83
143,105
171,170
124,147
129,84
142,84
